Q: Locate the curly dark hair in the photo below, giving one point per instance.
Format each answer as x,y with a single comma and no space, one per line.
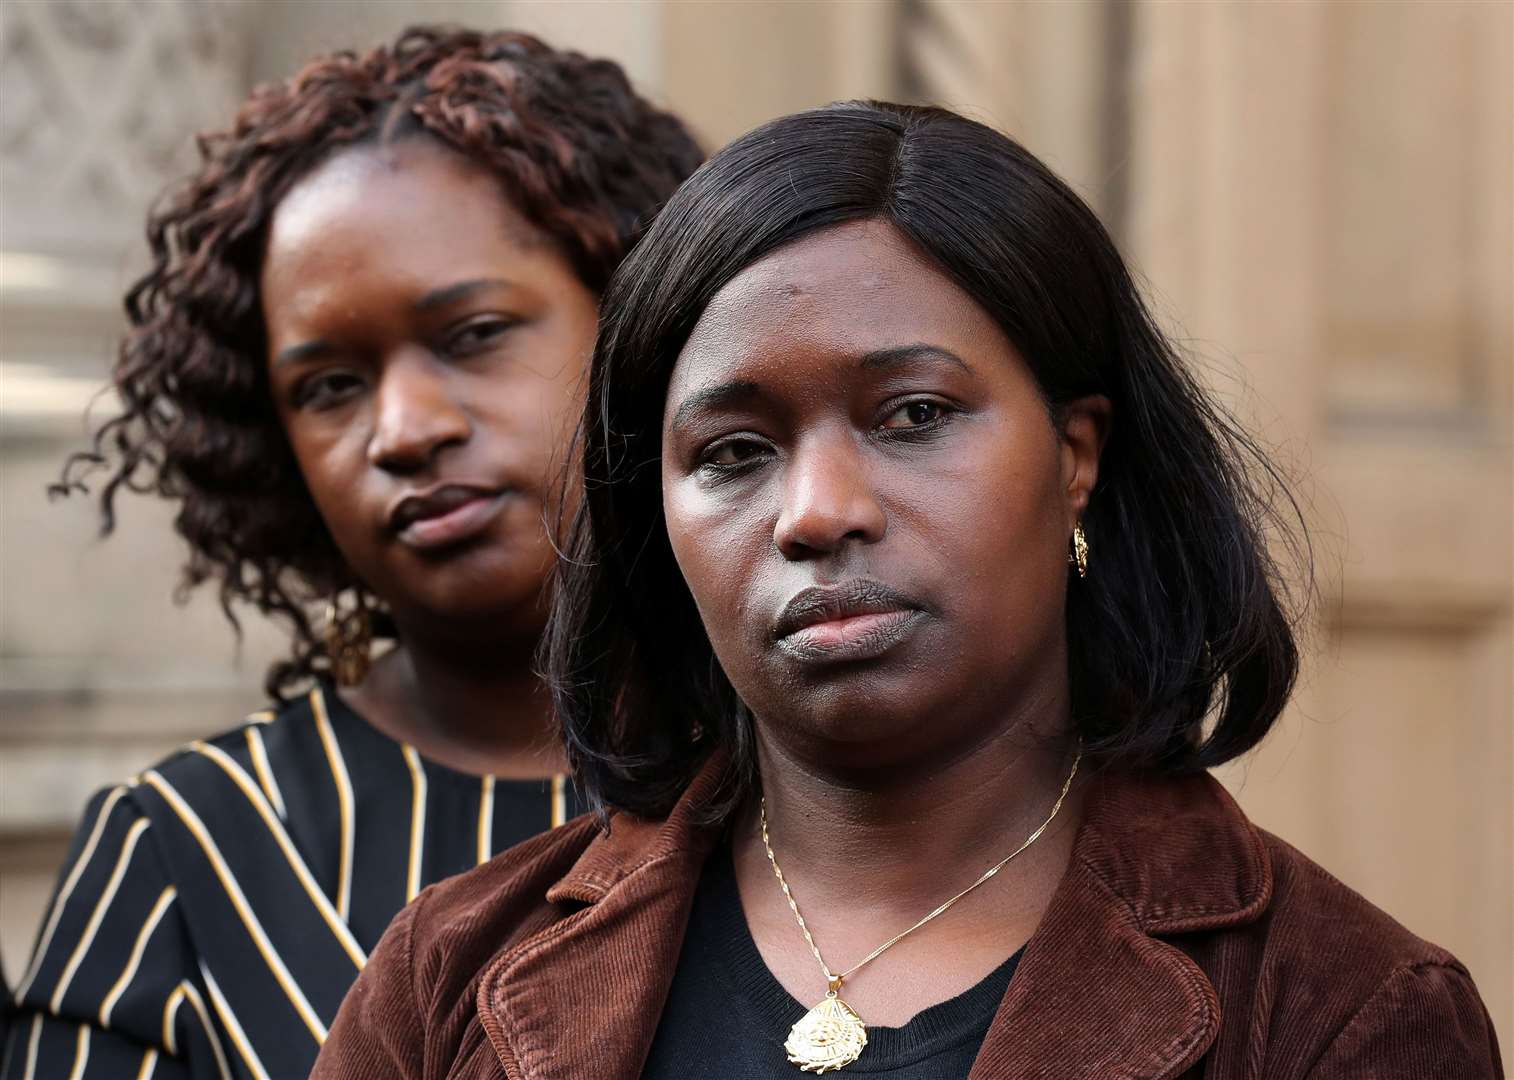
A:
576,150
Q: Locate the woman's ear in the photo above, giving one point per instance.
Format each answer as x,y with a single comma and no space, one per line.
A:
1083,427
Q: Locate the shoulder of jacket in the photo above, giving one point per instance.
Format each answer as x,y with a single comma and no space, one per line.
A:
493,905
1422,1019
1307,895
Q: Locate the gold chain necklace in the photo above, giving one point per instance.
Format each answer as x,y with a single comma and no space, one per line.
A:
831,1035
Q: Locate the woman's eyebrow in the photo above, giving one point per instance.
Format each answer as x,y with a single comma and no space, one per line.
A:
447,294
718,396
901,355
306,350
739,392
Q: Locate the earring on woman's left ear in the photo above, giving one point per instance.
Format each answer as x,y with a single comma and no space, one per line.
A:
1078,556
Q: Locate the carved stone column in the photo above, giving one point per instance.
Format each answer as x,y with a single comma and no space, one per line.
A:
99,98
99,672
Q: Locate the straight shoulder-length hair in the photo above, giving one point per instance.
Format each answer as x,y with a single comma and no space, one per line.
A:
1181,647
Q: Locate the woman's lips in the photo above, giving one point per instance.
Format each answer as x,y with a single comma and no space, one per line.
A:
854,637
853,620
446,517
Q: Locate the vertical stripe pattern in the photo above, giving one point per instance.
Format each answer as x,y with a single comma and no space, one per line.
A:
164,899
33,1038
170,1016
81,1054
485,847
197,1003
417,822
344,800
69,883
276,830
215,910
259,755
234,1028
98,914
250,921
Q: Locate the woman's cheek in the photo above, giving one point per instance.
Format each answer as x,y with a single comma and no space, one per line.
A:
714,557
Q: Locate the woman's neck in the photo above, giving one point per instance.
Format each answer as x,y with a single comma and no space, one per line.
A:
865,862
916,832
475,710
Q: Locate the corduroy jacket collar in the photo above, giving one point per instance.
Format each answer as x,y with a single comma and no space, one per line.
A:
1154,857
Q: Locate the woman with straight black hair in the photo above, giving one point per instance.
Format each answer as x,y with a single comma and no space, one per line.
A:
915,587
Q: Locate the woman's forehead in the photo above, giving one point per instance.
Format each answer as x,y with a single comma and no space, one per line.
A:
853,288
407,191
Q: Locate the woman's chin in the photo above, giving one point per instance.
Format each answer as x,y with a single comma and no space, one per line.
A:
494,605
865,733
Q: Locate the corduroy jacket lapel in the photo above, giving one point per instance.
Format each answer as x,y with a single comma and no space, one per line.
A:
583,997
1097,993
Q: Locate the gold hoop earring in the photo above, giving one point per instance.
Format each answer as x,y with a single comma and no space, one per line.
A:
1078,556
349,640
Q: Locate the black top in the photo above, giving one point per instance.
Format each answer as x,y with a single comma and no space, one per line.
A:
215,909
727,1016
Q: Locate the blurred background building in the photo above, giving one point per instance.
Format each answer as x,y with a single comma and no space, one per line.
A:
1318,194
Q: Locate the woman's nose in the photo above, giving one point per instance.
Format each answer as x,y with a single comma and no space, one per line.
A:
417,415
828,500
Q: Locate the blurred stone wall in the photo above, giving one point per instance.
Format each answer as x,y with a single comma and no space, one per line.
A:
99,672
1318,194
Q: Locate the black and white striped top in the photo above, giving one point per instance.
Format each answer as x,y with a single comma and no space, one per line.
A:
215,909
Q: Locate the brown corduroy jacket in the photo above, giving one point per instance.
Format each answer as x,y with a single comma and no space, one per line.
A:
1182,942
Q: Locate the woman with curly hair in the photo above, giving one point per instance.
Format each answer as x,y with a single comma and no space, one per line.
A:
354,365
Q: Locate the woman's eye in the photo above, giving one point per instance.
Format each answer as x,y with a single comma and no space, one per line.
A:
914,414
732,453
327,389
477,335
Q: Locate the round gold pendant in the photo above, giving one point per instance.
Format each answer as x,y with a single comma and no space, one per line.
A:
827,1037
